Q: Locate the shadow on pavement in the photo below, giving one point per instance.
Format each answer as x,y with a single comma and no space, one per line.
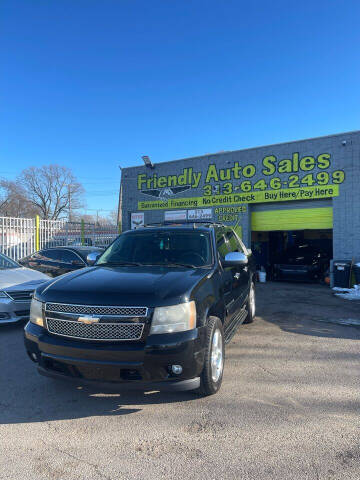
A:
306,309
27,397
317,327
51,400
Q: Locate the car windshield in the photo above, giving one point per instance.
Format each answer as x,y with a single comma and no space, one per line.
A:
174,248
6,262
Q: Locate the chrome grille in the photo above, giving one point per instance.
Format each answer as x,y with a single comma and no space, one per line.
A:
20,295
97,310
95,331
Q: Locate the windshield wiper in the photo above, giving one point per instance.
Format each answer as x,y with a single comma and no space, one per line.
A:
172,264
121,264
187,265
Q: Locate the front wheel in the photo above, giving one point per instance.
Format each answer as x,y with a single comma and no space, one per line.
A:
212,374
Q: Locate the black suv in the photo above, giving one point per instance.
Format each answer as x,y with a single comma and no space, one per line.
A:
154,311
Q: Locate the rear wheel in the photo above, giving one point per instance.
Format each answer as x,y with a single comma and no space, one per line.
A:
251,305
212,374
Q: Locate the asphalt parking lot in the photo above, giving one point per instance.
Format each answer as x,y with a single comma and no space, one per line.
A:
288,407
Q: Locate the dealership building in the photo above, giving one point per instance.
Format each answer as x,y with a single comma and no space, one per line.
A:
304,192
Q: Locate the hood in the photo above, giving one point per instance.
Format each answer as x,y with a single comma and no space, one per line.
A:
21,278
149,286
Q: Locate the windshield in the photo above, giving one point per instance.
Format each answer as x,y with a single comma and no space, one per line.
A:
191,249
6,262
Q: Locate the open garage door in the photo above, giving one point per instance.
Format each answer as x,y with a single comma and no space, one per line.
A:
292,219
293,242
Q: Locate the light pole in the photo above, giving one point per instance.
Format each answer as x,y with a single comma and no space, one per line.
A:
119,215
69,196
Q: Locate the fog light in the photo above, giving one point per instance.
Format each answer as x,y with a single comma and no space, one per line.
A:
176,369
33,357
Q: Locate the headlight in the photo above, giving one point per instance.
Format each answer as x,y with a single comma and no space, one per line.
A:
36,315
176,318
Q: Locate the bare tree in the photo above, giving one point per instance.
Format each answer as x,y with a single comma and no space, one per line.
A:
113,216
4,195
13,201
53,190
97,219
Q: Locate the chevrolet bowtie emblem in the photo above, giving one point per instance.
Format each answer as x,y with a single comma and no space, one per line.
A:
88,320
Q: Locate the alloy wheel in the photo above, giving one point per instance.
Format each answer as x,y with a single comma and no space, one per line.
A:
217,356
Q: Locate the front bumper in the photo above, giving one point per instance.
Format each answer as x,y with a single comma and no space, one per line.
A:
141,365
13,312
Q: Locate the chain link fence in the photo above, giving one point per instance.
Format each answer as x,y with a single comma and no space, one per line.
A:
20,237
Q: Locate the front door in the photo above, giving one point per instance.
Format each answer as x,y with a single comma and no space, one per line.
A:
225,274
240,274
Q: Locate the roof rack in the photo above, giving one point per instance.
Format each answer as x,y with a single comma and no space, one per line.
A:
184,222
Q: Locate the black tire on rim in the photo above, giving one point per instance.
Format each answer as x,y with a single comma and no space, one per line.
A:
212,374
251,305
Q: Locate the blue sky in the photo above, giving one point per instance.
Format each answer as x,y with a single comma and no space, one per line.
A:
93,84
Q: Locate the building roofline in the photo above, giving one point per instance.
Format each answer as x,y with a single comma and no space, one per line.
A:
222,152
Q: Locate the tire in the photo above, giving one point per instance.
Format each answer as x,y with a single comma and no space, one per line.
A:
251,304
212,374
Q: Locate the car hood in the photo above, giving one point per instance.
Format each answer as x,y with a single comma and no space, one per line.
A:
149,286
21,278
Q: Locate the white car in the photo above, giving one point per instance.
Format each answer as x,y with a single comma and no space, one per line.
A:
17,285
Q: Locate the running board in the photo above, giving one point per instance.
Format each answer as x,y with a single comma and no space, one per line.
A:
237,320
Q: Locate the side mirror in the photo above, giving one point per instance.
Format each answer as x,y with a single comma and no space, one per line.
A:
92,258
235,259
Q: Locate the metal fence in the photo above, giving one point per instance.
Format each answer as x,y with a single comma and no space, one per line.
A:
20,237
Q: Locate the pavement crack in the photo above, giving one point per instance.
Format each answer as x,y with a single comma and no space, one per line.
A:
81,460
267,371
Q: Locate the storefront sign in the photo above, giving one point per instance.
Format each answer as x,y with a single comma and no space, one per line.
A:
137,220
176,215
200,214
272,179
230,214
283,195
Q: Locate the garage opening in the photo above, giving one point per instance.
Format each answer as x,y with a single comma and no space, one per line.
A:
293,243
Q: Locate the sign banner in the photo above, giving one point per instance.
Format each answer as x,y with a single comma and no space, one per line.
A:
137,220
281,195
200,214
177,215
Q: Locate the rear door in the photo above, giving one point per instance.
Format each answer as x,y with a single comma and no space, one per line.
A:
49,262
40,261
